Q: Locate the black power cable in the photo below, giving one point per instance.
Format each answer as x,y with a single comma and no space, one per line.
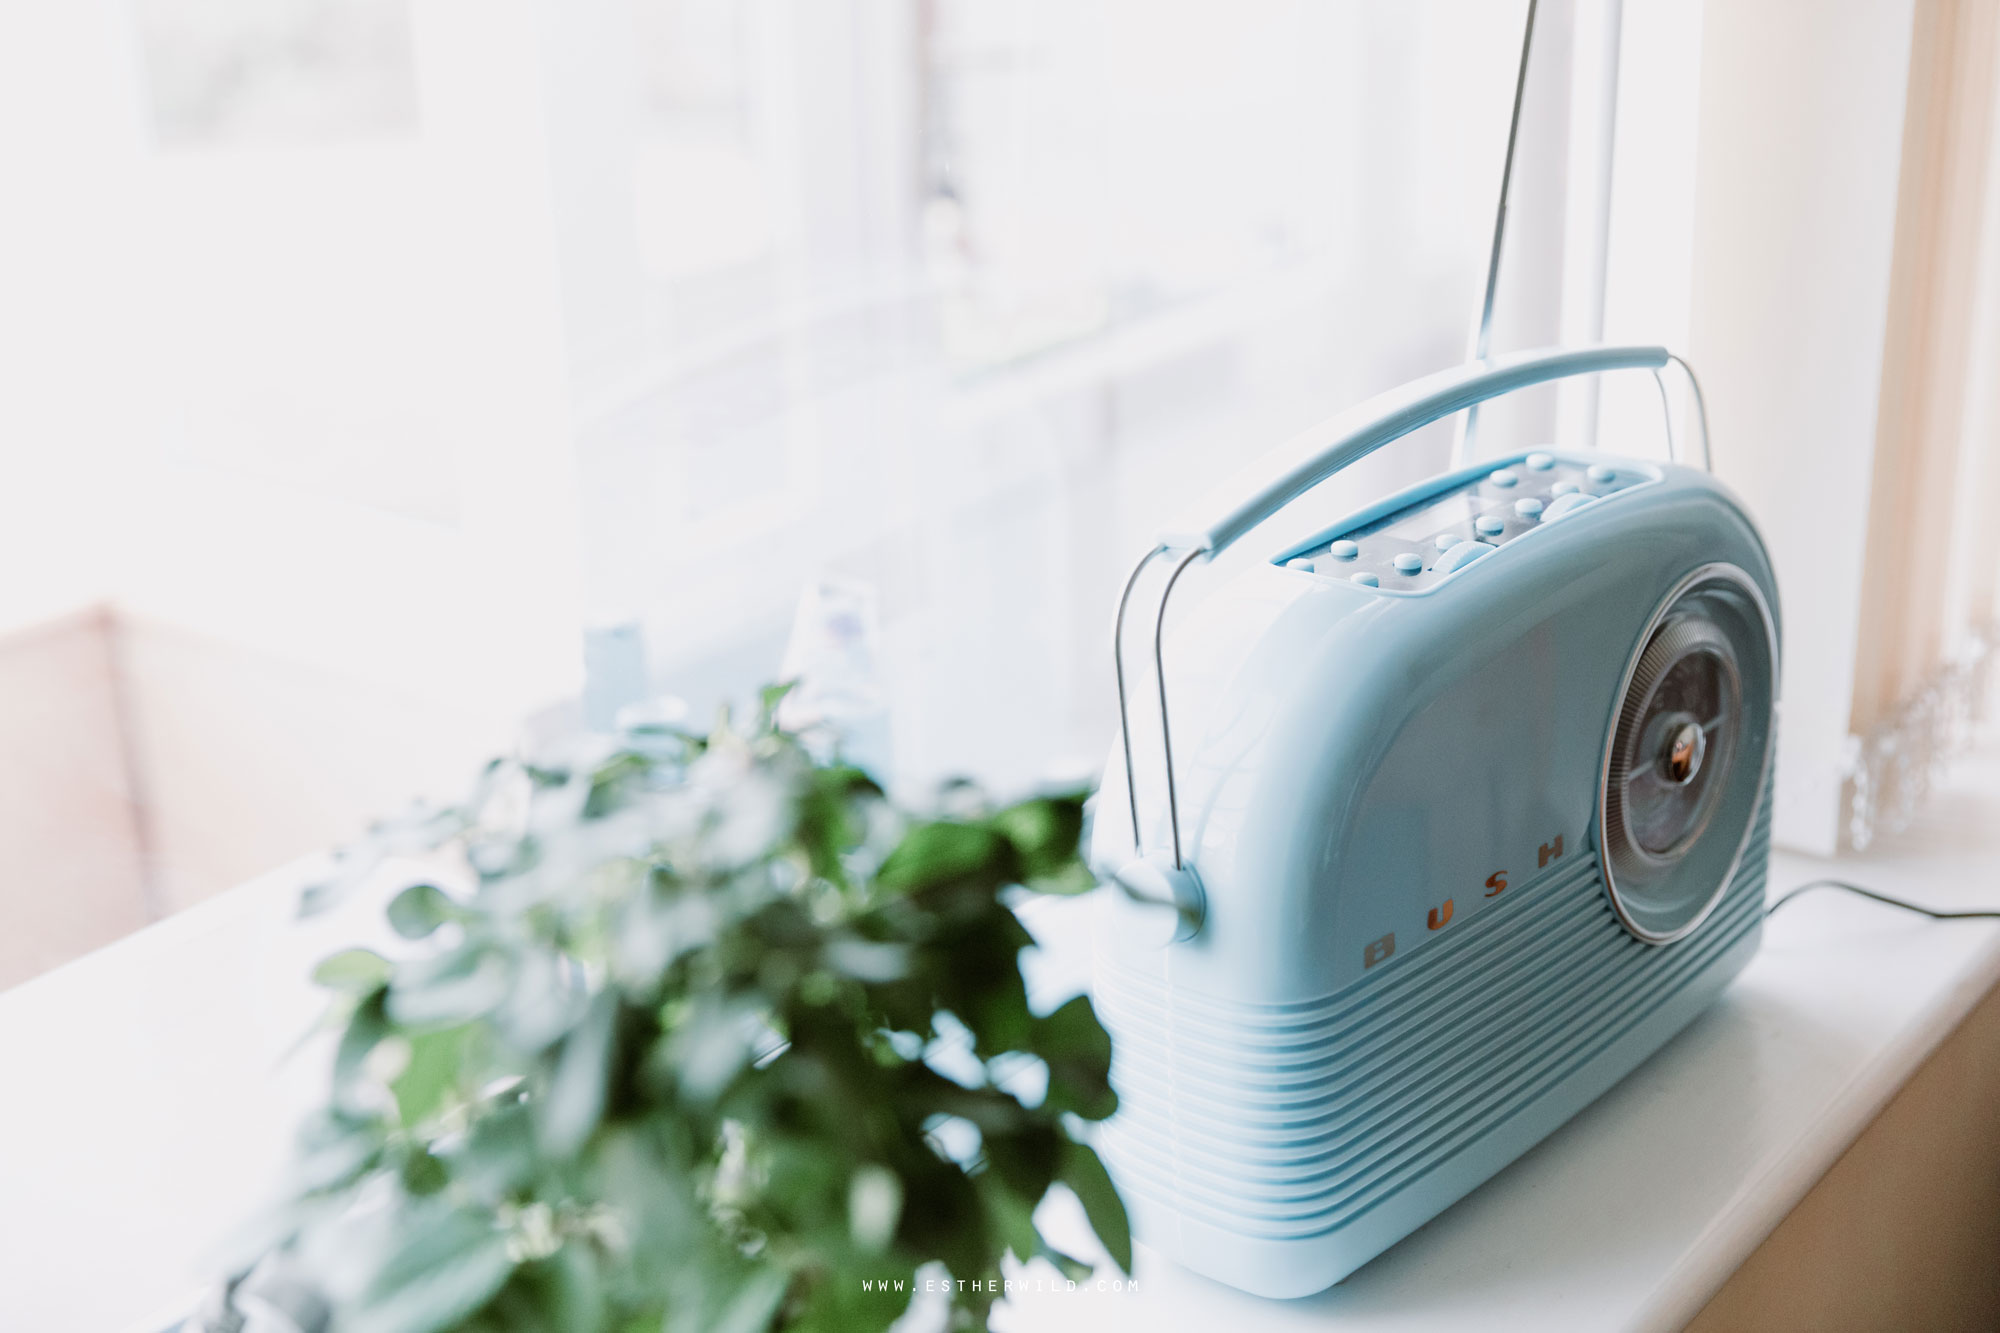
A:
1907,906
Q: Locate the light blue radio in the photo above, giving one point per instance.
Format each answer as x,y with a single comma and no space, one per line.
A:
1465,806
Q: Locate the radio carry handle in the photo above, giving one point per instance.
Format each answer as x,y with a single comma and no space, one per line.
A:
1328,449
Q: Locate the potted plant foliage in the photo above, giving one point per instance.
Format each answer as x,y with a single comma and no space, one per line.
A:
711,1037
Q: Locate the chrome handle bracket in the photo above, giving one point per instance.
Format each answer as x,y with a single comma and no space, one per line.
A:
1160,676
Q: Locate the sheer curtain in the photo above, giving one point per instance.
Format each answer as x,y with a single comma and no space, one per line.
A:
1002,288
1843,239
1928,628
379,362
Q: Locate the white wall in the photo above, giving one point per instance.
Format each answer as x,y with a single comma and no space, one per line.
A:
300,410
67,120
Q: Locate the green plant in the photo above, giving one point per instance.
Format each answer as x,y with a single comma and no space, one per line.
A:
716,1037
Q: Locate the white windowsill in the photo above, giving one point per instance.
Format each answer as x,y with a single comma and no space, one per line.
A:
146,1109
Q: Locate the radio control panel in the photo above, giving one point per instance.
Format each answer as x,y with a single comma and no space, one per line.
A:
1422,543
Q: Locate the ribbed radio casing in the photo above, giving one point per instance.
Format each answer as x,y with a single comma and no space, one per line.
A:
1408,968
1270,1145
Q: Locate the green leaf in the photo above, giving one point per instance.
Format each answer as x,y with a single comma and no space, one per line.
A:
575,1101
943,852
542,1002
1072,1029
768,700
609,783
831,819
1045,832
498,1155
355,971
1091,1183
433,1071
715,1042
423,1173
449,989
1071,880
1011,1217
448,1264
419,910
1025,1159
643,1174
569,1290
677,1069
1077,1050
750,1308
366,1028
980,980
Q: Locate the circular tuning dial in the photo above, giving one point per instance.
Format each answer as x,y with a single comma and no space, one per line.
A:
1689,747
1685,692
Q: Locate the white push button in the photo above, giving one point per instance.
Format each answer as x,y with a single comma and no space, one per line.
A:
1343,550
1541,462
1367,580
1503,477
1566,504
1463,554
1300,563
1600,474
1409,562
1527,506
1490,525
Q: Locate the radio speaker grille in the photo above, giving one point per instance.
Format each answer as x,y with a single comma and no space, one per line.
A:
1289,1121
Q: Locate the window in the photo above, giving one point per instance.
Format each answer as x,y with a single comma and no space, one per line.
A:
948,306
379,357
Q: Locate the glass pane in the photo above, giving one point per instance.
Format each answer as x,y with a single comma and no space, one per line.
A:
951,305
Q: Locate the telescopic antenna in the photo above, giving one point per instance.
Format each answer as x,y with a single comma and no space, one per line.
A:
1468,424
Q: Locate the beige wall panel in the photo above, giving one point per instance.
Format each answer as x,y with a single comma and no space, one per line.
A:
71,864
250,760
1904,1231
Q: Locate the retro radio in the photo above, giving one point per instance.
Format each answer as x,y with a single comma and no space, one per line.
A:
1462,811
1464,804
